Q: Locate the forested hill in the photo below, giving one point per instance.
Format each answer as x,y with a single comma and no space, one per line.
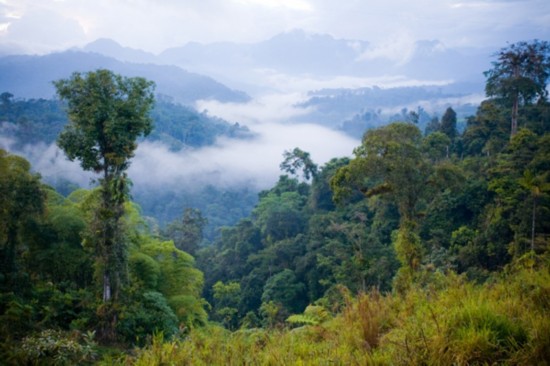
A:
33,121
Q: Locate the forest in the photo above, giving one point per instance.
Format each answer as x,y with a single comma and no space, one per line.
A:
427,246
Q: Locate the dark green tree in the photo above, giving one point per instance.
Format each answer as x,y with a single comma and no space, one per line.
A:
296,160
519,76
21,199
187,234
448,123
107,113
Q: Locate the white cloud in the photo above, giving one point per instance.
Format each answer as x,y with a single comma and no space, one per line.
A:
160,24
291,4
235,162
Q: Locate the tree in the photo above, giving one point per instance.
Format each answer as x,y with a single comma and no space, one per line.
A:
227,298
107,113
537,186
188,233
519,76
21,198
299,159
448,123
390,162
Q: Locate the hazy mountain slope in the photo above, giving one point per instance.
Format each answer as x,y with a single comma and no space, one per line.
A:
108,47
32,76
298,52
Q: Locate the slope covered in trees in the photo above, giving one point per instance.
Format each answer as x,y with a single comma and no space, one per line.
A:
425,247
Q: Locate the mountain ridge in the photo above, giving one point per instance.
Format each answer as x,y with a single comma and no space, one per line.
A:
31,76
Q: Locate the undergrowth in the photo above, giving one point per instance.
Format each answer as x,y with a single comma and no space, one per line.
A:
447,321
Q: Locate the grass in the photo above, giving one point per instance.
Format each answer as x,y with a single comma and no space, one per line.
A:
505,321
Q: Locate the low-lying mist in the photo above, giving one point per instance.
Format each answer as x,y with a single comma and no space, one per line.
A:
233,162
228,163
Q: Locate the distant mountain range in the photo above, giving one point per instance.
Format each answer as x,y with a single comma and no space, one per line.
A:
444,75
32,76
301,53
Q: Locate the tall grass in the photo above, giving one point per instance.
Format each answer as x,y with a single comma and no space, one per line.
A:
447,321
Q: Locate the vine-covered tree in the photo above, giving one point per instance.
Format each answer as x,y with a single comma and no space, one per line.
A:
519,76
107,113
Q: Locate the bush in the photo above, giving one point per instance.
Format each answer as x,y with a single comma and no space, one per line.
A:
146,316
53,347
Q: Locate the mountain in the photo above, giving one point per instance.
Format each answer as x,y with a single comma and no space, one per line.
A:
32,76
108,47
298,52
295,52
262,65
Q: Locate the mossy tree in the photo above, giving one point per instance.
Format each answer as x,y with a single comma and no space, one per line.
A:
107,113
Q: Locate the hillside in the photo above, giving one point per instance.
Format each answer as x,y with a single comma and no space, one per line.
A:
32,76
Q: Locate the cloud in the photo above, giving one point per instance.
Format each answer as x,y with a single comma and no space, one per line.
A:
274,108
155,25
291,4
231,162
227,163
43,30
398,48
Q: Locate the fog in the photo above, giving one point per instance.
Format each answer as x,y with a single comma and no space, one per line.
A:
228,163
234,162
231,162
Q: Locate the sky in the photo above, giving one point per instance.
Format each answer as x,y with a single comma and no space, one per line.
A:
41,26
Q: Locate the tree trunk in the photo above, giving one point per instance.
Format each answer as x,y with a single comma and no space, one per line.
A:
533,221
515,111
106,287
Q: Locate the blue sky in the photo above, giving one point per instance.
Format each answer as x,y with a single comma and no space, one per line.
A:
40,26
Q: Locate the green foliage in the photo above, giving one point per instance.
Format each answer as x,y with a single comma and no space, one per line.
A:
146,270
107,113
283,288
435,253
448,124
299,160
180,126
51,347
278,215
227,299
455,323
22,200
519,76
178,280
190,310
187,234
147,314
313,315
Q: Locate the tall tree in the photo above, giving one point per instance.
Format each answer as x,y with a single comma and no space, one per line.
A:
390,161
519,76
448,123
107,113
